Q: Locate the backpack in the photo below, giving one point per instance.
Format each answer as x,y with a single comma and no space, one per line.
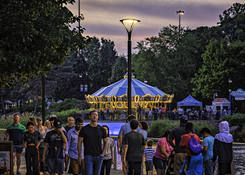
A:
195,146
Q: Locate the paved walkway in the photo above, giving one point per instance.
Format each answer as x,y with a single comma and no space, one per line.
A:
23,168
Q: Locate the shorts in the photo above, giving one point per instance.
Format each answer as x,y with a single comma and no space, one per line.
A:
159,163
75,166
148,165
55,165
18,148
224,168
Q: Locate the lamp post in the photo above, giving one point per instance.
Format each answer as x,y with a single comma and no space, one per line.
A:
180,13
79,17
129,25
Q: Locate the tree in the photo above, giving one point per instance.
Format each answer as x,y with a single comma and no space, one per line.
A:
221,61
34,35
170,59
119,69
94,63
232,23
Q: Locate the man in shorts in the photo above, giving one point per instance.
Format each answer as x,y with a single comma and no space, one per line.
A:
15,132
55,141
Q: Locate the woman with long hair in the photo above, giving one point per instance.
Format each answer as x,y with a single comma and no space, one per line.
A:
108,158
43,131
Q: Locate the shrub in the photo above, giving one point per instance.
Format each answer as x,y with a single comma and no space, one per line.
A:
158,128
23,120
30,107
237,120
63,115
66,105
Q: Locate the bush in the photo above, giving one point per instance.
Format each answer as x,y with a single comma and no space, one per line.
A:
30,107
237,120
4,123
63,115
66,105
158,128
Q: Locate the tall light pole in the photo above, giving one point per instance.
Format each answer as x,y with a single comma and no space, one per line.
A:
79,16
129,25
180,13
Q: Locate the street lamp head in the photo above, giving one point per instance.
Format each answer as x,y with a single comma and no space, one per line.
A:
180,12
129,23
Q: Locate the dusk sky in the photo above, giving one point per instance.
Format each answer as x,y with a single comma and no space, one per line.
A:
102,17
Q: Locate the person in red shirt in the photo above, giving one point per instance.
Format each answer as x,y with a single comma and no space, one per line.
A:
195,161
185,139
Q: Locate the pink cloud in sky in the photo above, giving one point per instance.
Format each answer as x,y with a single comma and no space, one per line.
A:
102,17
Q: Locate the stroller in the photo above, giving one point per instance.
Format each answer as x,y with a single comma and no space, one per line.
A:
169,170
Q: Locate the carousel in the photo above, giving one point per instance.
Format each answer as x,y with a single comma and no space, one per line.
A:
114,96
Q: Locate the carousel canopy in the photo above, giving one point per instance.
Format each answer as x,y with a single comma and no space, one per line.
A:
189,101
119,88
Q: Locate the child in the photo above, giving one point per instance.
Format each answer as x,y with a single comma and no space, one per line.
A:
148,154
208,143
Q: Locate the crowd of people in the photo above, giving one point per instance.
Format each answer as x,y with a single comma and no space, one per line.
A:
179,150
157,113
88,150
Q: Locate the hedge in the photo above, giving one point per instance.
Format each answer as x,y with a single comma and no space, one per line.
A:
63,115
158,128
237,120
4,123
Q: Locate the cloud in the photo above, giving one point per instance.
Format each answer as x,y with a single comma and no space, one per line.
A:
102,16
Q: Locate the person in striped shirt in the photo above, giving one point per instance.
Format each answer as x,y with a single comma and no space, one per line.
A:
148,154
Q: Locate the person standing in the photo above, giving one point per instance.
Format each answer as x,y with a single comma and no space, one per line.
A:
108,158
195,160
92,135
15,132
180,153
123,131
223,149
43,131
143,129
133,149
55,141
162,154
70,123
72,137
208,143
148,154
32,140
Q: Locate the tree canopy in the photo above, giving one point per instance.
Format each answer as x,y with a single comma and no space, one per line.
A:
34,35
195,61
